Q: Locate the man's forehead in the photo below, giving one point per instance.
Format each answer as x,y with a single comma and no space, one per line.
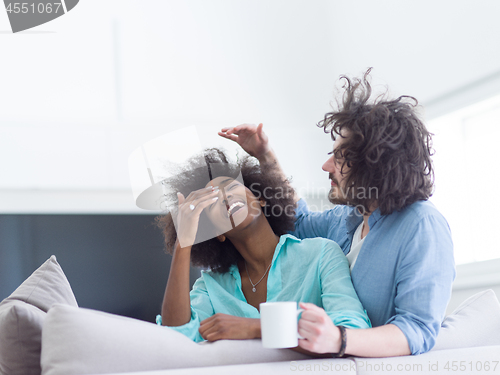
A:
340,138
338,142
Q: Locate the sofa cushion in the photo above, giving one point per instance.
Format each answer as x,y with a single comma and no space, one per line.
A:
20,342
22,315
476,322
83,341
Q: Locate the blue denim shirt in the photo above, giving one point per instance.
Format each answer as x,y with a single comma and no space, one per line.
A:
405,269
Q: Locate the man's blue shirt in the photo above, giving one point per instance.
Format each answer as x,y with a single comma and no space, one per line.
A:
405,269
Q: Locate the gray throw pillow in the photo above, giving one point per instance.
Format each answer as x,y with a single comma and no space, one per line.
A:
476,322
77,341
22,315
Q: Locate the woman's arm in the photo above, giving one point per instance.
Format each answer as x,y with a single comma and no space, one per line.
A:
338,297
229,327
176,307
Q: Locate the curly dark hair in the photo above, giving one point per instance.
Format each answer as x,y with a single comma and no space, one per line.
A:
264,183
387,148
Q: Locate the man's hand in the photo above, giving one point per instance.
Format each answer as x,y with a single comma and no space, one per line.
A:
250,137
223,326
318,331
255,142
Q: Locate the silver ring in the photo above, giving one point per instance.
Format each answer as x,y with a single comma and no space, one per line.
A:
192,207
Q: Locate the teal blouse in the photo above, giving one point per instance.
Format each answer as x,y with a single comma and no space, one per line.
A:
313,270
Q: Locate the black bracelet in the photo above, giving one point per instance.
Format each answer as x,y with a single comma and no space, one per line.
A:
343,336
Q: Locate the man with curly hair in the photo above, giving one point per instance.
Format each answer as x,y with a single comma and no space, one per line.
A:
398,245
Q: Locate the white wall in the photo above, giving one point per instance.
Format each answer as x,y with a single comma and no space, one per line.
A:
81,92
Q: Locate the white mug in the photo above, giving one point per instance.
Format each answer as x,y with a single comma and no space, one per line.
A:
278,324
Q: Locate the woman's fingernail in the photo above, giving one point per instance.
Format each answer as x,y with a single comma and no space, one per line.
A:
214,199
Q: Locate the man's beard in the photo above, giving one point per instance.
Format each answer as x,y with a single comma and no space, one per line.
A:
337,196
340,195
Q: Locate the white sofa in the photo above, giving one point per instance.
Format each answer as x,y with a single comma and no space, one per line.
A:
43,331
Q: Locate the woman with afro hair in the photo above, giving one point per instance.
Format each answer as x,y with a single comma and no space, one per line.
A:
249,256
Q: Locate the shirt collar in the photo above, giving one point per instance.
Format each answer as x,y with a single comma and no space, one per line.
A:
283,239
354,218
374,217
233,269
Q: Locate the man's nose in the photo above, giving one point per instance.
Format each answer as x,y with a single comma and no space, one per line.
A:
329,165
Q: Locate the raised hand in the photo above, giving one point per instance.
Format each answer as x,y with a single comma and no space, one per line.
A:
189,211
250,137
229,327
255,142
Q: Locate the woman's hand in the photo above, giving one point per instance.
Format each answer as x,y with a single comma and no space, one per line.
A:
250,137
188,215
223,326
319,333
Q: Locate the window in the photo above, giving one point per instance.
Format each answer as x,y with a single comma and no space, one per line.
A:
467,167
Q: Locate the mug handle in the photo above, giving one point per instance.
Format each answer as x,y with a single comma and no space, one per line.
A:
298,312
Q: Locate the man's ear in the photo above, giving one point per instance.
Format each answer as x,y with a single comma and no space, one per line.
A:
221,238
262,202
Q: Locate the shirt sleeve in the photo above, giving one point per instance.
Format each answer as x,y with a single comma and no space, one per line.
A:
310,224
423,283
338,296
201,309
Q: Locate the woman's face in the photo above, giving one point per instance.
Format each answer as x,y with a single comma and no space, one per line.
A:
236,205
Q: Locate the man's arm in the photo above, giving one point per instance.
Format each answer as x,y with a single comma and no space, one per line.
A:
329,223
423,277
256,143
383,341
322,336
